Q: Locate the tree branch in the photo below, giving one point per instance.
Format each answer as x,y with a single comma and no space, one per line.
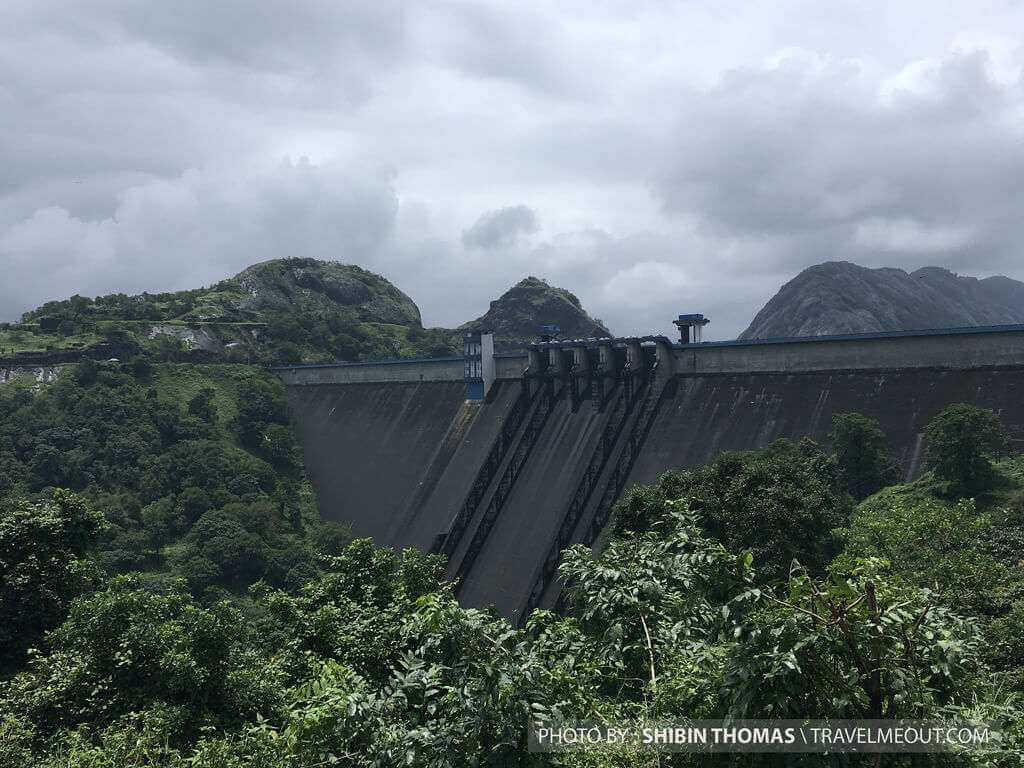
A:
650,652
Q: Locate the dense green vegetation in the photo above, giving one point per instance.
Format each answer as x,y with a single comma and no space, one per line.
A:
192,469
753,587
285,310
862,452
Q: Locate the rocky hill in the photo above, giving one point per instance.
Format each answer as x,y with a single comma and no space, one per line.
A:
308,286
516,315
284,310
840,297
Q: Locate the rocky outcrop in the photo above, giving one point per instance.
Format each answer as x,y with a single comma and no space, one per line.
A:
40,374
192,338
840,297
312,286
515,316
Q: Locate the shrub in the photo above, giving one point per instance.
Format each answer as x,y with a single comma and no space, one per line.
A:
862,451
962,442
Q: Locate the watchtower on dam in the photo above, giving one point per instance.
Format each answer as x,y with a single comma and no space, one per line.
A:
501,460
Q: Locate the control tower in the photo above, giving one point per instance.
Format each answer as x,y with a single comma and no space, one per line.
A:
690,327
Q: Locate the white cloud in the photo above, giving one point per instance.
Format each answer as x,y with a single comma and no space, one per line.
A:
908,236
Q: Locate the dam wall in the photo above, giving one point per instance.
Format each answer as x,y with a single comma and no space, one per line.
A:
367,446
501,485
383,372
958,348
701,416
507,366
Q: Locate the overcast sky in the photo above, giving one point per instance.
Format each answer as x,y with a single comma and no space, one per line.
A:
652,157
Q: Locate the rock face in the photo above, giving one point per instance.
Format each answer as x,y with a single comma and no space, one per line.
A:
516,315
41,374
839,297
311,286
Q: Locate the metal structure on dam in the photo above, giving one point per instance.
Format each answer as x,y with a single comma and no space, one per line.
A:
500,461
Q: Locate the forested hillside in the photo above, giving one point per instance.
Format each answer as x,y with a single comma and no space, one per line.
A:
796,581
279,311
284,310
176,471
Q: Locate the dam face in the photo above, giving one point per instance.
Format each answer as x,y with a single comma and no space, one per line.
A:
502,484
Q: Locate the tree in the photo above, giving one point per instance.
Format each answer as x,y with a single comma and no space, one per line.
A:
862,451
43,565
962,442
221,539
86,372
780,503
648,595
279,448
354,612
202,406
142,368
126,650
930,543
857,646
260,402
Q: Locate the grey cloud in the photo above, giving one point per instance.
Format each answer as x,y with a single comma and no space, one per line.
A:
812,158
501,228
304,34
527,47
675,169
195,229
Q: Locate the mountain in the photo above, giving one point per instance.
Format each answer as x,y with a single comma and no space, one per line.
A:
296,286
309,286
517,314
279,311
283,310
840,297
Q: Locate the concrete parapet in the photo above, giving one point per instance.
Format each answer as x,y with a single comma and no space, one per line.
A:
964,349
510,366
954,348
397,371
666,360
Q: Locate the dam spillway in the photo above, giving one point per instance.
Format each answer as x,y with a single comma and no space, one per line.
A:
503,479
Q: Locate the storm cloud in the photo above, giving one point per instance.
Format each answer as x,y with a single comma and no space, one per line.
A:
652,157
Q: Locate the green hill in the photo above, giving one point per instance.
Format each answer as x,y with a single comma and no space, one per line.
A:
280,311
284,310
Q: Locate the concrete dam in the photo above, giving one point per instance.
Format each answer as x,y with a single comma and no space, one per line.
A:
500,461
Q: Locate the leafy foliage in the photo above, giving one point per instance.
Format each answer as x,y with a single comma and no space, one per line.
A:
781,503
862,452
698,606
650,593
962,442
195,470
859,646
127,649
43,565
